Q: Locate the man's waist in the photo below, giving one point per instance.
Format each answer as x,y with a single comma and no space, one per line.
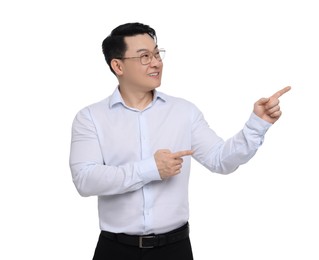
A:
149,240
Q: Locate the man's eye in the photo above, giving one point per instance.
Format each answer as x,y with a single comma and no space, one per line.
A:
145,55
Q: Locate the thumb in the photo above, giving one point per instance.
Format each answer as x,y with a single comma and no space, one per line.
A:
262,101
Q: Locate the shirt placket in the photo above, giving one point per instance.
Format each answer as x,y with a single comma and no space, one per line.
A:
146,153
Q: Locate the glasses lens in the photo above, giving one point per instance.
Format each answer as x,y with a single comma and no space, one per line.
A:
161,54
146,58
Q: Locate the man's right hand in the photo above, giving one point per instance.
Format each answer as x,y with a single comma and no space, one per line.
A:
169,164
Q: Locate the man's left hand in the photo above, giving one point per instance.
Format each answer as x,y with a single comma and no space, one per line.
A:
268,108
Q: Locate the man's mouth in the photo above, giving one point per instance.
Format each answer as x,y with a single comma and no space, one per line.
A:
155,74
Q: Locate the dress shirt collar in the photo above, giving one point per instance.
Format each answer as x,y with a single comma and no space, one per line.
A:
116,98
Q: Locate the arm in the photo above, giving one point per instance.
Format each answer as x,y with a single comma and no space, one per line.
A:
226,156
91,176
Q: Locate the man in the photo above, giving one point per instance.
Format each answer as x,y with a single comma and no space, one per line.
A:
133,150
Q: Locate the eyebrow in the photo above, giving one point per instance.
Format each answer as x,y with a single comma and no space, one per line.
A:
141,50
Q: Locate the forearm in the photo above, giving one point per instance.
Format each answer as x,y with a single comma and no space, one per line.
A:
226,156
96,179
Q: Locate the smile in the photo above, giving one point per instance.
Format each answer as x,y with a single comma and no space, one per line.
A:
154,74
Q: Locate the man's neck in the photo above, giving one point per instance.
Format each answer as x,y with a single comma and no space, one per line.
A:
136,99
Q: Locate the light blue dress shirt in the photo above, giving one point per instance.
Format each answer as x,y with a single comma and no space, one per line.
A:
112,157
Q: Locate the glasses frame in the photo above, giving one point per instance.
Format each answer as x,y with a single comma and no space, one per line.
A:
152,55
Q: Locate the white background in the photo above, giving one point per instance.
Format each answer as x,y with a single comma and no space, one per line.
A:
222,56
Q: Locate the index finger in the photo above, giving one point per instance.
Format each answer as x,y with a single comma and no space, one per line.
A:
182,153
281,92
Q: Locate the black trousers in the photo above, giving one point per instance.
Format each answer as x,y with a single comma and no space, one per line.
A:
108,249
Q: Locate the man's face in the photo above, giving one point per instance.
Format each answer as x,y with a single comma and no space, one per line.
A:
135,74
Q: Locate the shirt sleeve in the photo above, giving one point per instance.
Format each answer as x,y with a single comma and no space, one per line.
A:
89,173
226,156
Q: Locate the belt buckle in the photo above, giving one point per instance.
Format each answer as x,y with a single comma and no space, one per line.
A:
141,245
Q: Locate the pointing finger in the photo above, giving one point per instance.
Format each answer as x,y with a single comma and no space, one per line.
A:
182,153
281,92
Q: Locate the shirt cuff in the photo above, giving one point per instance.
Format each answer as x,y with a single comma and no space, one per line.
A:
257,124
147,170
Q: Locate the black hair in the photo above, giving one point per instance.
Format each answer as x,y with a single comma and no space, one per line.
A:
114,45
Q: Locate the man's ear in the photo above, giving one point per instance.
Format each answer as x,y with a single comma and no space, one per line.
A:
117,67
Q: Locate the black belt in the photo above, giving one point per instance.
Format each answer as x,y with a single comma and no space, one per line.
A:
149,241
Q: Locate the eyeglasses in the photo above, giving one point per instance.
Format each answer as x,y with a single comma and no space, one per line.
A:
147,57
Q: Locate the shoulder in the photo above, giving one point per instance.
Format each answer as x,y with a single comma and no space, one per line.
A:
176,101
93,109
182,106
104,104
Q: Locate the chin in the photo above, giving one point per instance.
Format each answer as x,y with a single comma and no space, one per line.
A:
158,85
154,86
